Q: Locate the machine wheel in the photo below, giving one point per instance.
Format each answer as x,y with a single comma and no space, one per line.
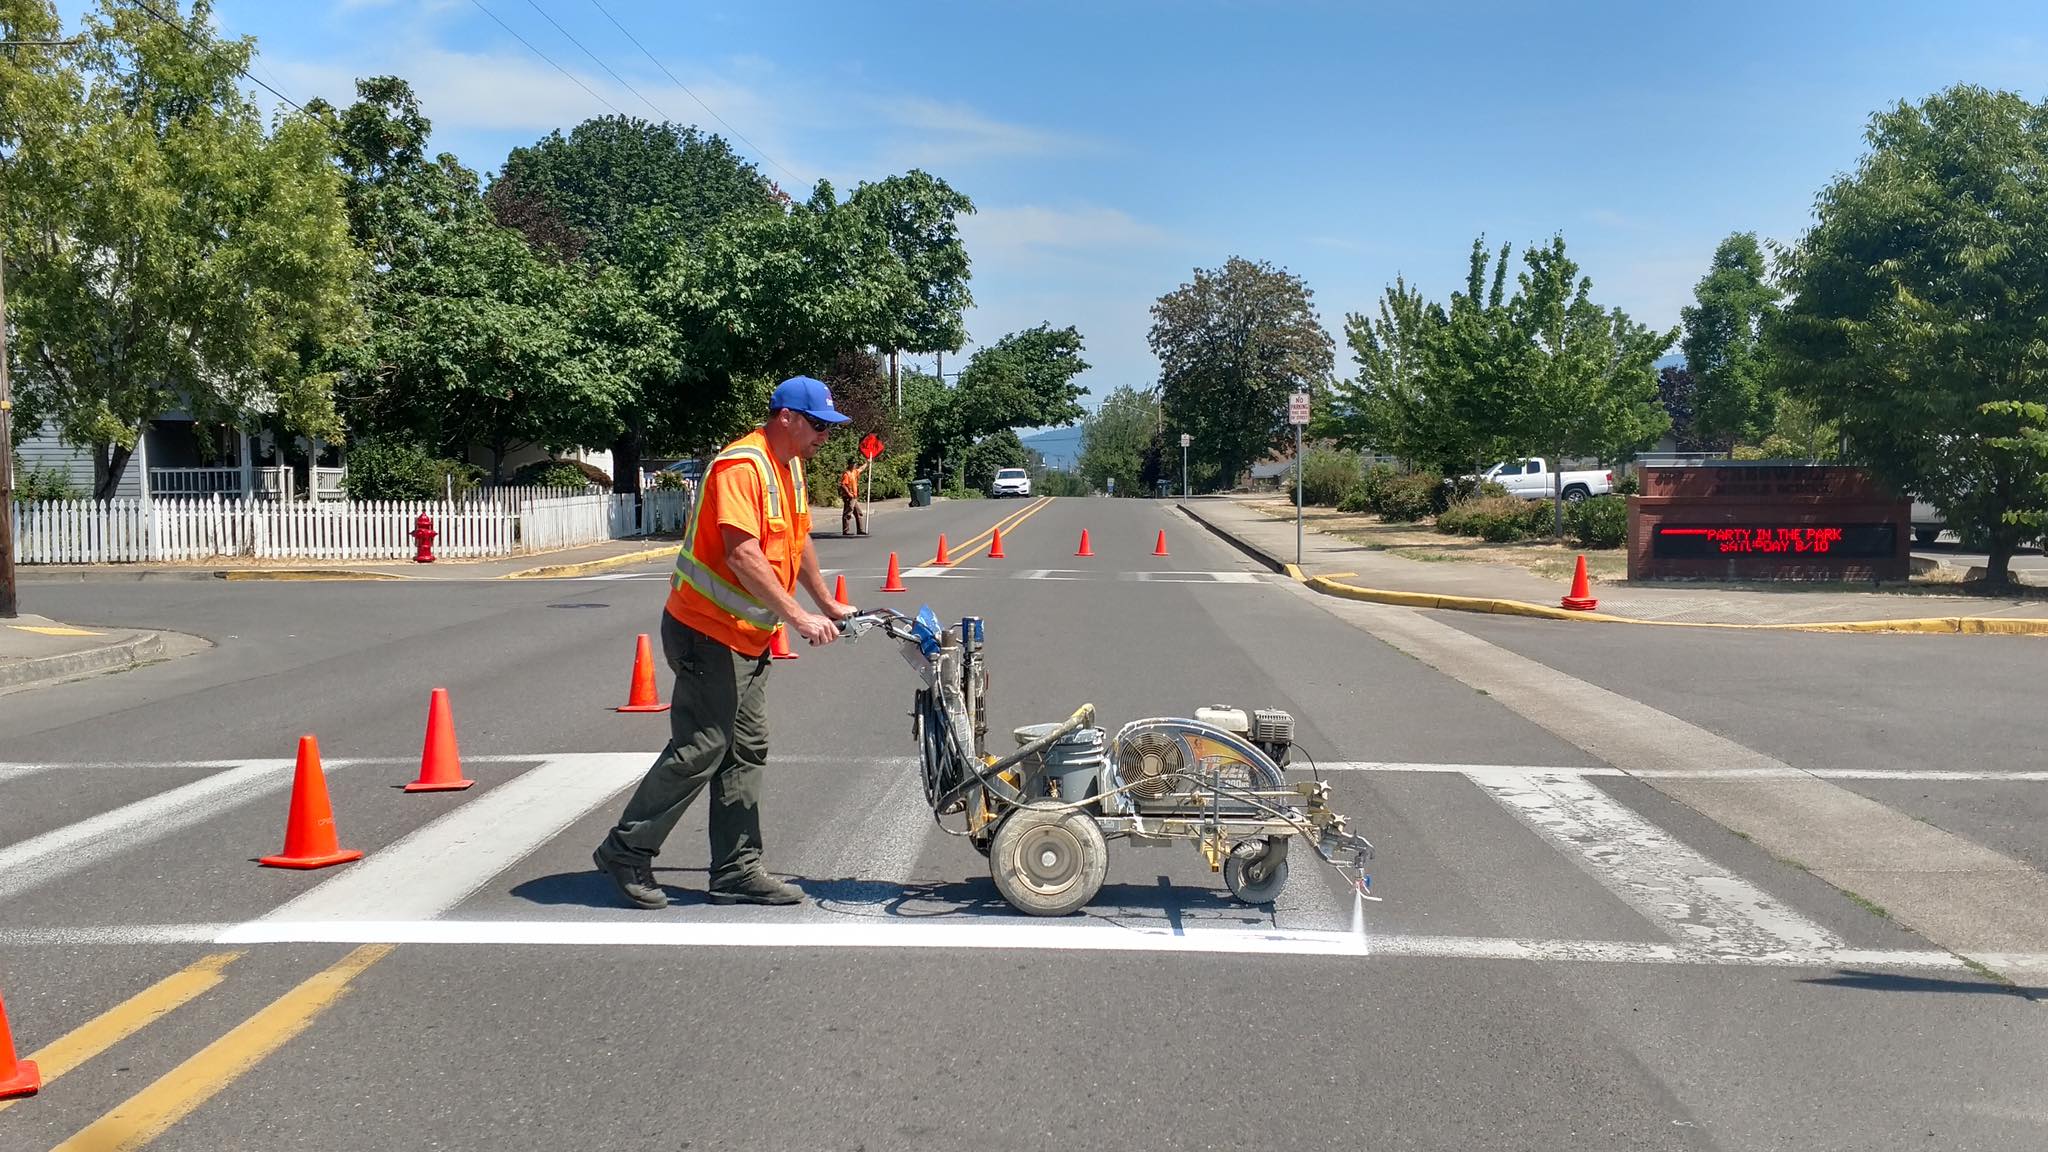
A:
1262,891
1047,860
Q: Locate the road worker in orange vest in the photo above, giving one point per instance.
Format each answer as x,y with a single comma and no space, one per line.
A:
746,549
849,500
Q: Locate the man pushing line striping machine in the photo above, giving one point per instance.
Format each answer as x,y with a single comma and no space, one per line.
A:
1044,814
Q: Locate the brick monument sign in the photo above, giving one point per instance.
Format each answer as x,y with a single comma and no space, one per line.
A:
1766,522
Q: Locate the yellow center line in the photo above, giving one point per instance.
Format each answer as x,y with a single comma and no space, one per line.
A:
969,547
176,1094
127,1018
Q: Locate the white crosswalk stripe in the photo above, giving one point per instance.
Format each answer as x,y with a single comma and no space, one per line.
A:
444,882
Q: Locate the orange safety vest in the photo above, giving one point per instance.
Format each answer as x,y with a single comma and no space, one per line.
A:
703,591
849,483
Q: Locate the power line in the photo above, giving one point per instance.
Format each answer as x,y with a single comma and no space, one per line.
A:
214,50
537,52
593,56
692,95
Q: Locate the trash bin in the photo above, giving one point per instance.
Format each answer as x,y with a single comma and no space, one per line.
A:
920,493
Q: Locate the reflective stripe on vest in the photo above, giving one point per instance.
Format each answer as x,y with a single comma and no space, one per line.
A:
730,598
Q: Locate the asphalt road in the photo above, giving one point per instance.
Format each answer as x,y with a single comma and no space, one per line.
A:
1563,958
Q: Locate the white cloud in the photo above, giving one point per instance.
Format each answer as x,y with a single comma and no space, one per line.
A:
933,134
1033,228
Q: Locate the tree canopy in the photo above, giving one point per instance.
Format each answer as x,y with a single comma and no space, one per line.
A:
1232,345
164,249
1918,318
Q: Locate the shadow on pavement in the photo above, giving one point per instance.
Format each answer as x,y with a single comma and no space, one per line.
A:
1897,982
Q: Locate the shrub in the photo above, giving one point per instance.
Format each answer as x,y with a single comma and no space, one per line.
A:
1406,499
1630,484
1327,477
41,484
562,474
1499,519
393,470
1601,522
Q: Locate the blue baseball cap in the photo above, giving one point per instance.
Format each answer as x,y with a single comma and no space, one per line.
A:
808,396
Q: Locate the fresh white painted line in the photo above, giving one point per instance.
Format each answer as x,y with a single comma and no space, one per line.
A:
120,935
10,771
1701,903
1192,577
443,863
59,852
1052,574
829,934
1452,769
1932,775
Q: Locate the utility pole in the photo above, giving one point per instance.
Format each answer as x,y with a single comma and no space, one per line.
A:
7,603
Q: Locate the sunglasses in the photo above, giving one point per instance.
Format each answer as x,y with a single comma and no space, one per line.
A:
818,426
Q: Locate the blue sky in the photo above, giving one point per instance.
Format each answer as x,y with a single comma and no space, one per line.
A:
1114,146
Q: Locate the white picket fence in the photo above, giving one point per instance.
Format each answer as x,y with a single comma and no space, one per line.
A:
493,522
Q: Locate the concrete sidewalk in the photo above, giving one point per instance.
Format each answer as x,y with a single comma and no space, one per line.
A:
1272,542
36,650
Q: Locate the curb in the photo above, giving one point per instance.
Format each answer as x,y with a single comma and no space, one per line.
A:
113,657
1934,625
560,570
304,574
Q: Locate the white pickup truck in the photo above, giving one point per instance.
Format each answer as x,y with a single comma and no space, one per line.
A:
1532,479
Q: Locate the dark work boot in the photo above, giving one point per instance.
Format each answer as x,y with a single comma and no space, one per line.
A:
635,882
756,888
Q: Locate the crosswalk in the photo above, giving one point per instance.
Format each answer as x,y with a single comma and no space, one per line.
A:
509,865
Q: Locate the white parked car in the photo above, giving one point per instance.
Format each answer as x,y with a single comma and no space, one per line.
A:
1532,479
1011,482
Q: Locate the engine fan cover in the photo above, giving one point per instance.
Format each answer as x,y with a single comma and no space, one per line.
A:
1162,762
1149,760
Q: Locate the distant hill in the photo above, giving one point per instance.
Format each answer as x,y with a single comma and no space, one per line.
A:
1675,360
1061,447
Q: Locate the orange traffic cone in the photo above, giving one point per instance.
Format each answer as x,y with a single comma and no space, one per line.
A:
995,547
941,560
1581,597
643,697
440,763
1085,550
1159,549
895,581
839,588
17,1077
309,836
778,644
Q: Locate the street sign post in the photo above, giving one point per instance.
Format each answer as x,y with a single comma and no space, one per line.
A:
1297,415
1185,440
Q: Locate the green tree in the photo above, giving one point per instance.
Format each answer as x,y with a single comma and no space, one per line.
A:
769,296
1724,348
619,183
1919,308
498,348
1115,438
1024,380
1370,411
1584,384
164,249
630,197
920,212
1232,345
